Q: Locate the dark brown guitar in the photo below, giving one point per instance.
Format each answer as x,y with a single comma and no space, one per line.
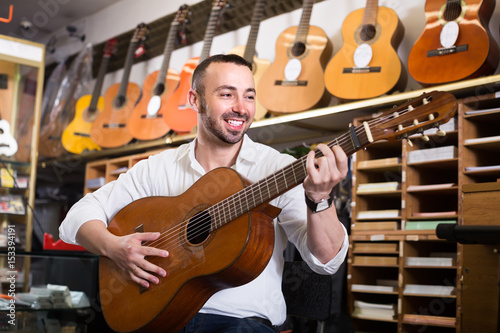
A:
220,232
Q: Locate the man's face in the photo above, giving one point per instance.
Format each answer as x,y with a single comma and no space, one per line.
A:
228,106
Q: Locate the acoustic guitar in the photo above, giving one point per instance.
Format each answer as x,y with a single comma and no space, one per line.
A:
76,136
220,232
367,65
178,114
259,66
294,81
109,129
50,144
146,121
456,43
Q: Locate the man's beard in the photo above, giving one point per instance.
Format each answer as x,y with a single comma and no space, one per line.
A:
213,126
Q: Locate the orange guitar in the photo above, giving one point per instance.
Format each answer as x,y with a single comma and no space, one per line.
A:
456,43
110,128
220,233
178,114
76,136
50,144
294,81
367,65
259,66
146,121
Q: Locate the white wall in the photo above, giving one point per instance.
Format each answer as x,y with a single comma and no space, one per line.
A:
329,15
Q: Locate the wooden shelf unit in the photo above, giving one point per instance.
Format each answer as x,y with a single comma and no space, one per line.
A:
106,170
430,191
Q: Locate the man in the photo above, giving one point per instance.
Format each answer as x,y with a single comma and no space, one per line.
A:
223,95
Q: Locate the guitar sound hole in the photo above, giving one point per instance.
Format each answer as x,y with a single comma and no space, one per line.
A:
368,32
119,101
298,49
452,11
159,89
198,228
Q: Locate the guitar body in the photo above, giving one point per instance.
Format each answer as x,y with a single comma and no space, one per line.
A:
346,84
110,128
8,145
144,126
479,56
259,67
311,93
178,114
76,136
50,141
232,255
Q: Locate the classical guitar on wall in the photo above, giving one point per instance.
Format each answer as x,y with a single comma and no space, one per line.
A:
259,66
178,114
367,65
294,81
220,232
456,43
146,121
110,128
54,123
76,136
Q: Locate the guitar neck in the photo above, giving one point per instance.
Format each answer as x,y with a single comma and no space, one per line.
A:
258,12
98,84
129,60
278,183
169,47
210,32
303,29
370,13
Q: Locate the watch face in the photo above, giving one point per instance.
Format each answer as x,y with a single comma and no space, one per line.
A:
322,205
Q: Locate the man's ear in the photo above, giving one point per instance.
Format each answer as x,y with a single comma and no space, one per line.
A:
193,99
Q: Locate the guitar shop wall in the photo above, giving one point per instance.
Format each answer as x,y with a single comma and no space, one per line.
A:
60,180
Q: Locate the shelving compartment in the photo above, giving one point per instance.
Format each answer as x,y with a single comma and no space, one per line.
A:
481,141
429,295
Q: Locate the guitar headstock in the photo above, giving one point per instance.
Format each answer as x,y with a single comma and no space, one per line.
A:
423,112
140,33
181,15
110,47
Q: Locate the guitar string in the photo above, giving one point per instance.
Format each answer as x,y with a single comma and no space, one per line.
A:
226,203
201,224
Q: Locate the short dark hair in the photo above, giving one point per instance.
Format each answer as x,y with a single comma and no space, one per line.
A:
200,70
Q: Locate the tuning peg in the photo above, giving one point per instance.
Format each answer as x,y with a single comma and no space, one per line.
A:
415,122
431,117
425,137
440,132
409,142
425,101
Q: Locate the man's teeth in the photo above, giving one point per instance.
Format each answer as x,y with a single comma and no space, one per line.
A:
235,122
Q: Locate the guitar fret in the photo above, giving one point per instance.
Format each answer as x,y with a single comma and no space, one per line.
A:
284,179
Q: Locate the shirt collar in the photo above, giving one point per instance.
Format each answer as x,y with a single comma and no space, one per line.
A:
248,153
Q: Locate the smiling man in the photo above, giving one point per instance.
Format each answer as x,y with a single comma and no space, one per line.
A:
223,94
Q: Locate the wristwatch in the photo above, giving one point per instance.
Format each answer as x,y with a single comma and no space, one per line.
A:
320,206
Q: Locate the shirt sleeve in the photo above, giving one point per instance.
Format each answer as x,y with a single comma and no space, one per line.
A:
293,220
106,202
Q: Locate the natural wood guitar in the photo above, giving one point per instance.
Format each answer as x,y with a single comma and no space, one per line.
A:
220,232
109,129
367,65
178,113
76,136
146,121
259,66
456,43
50,143
295,80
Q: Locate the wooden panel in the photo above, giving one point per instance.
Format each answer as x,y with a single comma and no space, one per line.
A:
481,263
